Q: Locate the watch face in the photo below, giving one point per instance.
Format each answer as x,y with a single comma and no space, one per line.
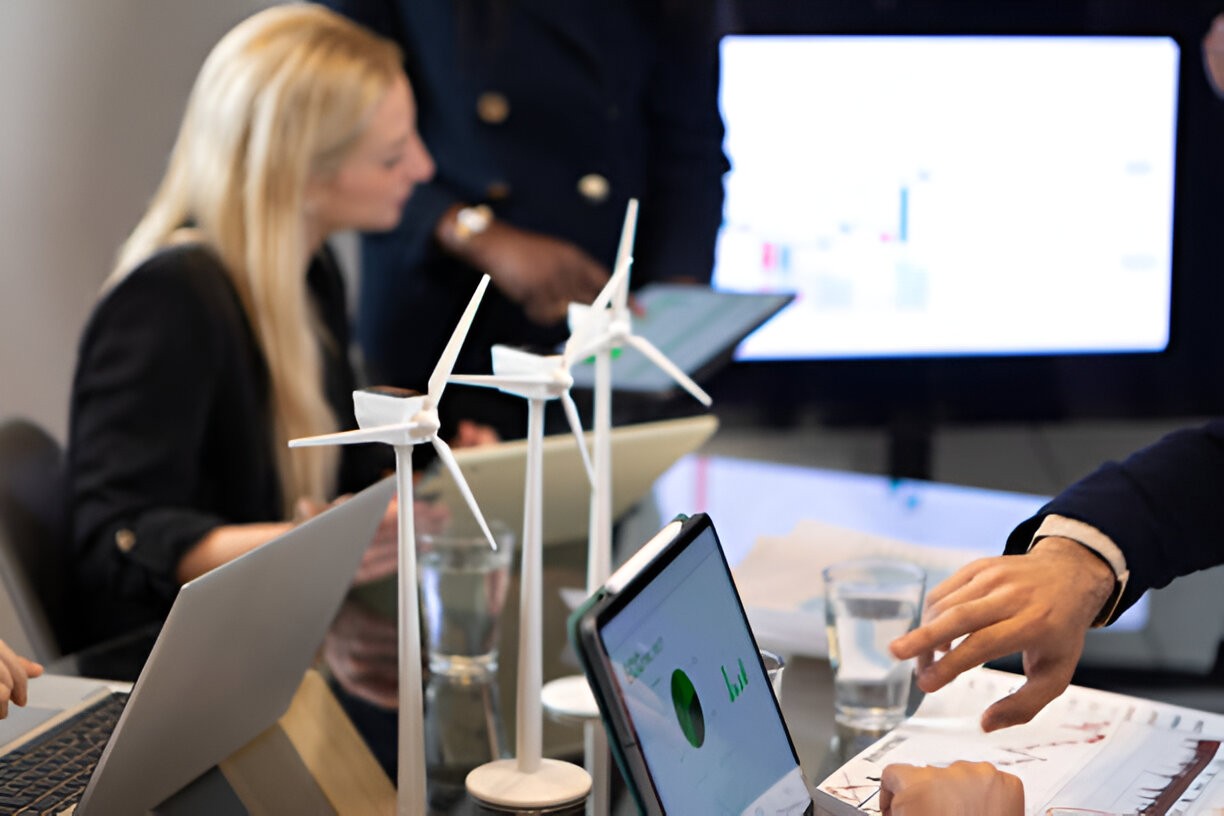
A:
473,220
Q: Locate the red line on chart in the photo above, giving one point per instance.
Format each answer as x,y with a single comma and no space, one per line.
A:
1204,752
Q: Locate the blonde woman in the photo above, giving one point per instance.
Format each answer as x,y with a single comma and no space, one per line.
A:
221,332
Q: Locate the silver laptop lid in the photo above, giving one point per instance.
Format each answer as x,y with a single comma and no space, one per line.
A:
640,453
230,657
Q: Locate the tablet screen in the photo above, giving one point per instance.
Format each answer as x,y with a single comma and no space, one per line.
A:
699,700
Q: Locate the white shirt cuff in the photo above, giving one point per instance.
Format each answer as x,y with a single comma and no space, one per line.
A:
1085,534
1093,539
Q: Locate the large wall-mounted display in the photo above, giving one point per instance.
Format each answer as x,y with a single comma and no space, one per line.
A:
1005,212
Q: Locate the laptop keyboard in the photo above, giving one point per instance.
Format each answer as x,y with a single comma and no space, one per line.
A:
49,773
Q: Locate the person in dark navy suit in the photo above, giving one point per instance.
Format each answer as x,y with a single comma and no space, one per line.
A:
1092,551
544,118
1088,554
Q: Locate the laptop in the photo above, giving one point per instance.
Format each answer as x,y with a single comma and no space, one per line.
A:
225,667
641,452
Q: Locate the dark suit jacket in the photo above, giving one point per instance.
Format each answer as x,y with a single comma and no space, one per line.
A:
625,89
1163,506
170,430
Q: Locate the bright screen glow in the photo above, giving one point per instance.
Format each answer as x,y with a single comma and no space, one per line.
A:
703,714
936,196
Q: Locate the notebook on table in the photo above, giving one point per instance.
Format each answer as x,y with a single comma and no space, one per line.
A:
225,666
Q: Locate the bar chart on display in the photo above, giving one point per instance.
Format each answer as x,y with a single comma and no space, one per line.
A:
930,195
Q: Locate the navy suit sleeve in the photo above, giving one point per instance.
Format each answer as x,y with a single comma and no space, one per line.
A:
683,208
1163,506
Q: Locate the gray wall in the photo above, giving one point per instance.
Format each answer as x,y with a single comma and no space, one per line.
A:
90,96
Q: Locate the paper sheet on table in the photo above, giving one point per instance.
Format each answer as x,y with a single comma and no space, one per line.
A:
1101,752
780,583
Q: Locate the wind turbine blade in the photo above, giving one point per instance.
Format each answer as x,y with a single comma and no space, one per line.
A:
624,254
448,459
378,434
437,380
571,413
659,359
617,286
501,380
580,336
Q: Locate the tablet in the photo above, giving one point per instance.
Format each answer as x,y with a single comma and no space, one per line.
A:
691,718
696,327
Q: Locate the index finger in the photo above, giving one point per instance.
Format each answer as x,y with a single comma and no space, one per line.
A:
957,580
933,634
964,615
21,689
13,674
984,643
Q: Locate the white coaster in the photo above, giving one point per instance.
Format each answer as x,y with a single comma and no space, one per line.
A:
570,697
500,783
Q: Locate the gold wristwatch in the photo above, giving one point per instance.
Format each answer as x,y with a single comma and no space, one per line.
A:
471,221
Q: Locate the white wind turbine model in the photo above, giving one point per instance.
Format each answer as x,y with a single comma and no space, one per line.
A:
530,781
599,330
405,419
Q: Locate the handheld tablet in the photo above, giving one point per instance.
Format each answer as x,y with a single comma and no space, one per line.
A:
691,717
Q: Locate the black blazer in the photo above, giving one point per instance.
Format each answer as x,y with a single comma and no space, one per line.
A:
171,433
1163,506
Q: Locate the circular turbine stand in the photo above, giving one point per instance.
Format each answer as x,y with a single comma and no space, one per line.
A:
554,784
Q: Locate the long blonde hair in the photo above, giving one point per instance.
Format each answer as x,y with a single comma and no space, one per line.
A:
281,99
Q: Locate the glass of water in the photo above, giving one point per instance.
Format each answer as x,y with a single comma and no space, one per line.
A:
774,665
463,585
869,603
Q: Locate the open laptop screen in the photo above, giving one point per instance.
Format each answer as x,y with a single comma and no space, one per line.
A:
691,679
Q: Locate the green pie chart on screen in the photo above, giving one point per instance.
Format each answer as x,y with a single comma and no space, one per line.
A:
688,708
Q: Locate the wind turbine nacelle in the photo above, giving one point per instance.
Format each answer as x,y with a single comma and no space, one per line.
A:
385,405
598,328
510,361
579,313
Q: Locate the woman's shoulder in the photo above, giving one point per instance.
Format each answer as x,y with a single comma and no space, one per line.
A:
192,266
181,291
178,280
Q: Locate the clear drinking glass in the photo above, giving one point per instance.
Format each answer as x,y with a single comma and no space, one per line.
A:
463,585
774,664
869,603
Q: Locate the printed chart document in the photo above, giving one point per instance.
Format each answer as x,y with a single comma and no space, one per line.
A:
779,580
1091,752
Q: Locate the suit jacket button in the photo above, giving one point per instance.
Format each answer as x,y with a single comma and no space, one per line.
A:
125,540
497,191
594,188
492,108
